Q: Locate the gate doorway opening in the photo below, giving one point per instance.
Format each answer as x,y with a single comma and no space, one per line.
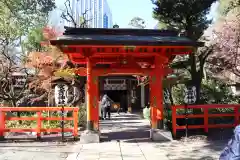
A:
118,98
123,91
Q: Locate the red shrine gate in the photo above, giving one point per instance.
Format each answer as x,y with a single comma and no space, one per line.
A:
102,52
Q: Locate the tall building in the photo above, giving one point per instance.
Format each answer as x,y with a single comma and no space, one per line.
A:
97,13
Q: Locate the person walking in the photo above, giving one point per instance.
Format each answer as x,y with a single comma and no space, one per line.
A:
106,107
232,150
100,108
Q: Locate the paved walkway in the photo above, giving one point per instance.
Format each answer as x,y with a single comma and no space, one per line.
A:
125,137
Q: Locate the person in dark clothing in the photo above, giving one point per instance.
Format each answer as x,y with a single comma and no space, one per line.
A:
232,151
105,107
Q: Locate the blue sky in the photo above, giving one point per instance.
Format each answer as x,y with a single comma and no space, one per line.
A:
124,10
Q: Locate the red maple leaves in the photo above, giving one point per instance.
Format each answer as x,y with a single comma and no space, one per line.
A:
47,62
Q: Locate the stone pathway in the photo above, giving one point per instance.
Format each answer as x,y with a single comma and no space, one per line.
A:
125,137
35,150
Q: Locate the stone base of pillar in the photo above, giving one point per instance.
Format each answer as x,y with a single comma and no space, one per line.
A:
89,136
160,135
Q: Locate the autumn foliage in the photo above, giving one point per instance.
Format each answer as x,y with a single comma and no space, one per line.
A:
44,64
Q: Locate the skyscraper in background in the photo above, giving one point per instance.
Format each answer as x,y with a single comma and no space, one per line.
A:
97,13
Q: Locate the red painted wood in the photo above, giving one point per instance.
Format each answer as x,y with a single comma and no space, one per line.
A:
156,99
75,123
2,123
122,71
165,50
140,60
39,120
205,115
210,106
174,121
92,93
39,124
35,109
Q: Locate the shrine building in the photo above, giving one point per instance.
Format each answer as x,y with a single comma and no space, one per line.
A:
113,60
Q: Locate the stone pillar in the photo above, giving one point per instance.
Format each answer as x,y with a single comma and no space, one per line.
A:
91,135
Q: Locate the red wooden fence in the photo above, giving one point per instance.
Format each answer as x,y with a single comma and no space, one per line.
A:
39,119
205,115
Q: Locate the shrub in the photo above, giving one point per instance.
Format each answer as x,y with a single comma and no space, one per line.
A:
82,115
146,113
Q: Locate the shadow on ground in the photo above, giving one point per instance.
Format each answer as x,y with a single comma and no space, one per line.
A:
26,138
131,129
216,139
126,135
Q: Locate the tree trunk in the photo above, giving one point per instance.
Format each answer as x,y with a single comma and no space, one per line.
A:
13,102
196,80
197,83
170,95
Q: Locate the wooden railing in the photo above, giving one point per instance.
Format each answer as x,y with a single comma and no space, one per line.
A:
39,118
205,115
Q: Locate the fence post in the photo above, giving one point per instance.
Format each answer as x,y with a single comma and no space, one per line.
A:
236,116
2,125
75,122
186,119
205,117
174,121
39,124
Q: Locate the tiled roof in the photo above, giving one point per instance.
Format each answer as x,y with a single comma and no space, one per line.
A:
102,36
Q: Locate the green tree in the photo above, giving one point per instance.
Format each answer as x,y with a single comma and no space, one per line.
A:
115,26
27,13
226,5
188,17
17,18
138,22
161,25
217,92
34,39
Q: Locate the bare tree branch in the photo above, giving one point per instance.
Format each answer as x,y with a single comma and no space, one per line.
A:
67,15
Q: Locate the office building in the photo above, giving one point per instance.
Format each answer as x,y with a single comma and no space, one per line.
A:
96,12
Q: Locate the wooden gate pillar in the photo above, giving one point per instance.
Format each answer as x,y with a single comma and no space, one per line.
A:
156,98
92,98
